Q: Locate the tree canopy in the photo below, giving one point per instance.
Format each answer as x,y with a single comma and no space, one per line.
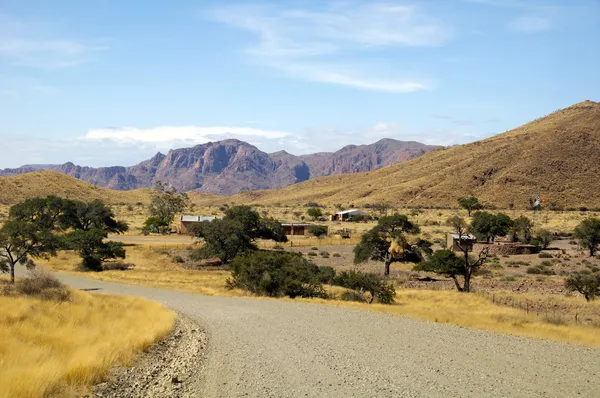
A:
387,242
588,234
166,203
470,204
487,226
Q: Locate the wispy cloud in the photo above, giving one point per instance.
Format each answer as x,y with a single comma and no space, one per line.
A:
29,44
530,24
302,43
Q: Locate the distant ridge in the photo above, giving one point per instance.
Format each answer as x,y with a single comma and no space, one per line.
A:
556,157
231,166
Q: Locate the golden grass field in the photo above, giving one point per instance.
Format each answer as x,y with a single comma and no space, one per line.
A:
60,349
157,269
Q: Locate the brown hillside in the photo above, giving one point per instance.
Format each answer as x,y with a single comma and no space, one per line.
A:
14,189
556,157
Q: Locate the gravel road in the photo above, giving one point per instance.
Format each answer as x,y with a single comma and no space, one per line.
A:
268,348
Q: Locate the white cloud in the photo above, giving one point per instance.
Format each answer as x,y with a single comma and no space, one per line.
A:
30,44
530,24
301,42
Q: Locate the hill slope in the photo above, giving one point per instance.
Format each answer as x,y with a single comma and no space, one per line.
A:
231,166
14,189
556,157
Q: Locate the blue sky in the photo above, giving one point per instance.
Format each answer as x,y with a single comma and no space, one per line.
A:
104,82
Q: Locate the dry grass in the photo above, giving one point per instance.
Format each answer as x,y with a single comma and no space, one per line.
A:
478,312
59,349
555,157
157,269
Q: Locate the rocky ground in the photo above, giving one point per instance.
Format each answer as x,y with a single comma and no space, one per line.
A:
170,368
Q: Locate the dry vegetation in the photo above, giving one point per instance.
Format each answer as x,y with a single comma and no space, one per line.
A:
50,348
555,157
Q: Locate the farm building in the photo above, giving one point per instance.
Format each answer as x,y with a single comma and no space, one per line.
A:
293,229
347,214
185,222
453,241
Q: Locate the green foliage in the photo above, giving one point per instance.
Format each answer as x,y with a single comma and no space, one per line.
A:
314,212
521,229
376,243
374,284
311,254
155,225
470,204
93,249
224,239
588,234
588,285
443,262
317,230
166,203
276,274
90,215
544,237
326,274
487,226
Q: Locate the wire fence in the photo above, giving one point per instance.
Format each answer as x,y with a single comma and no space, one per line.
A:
548,310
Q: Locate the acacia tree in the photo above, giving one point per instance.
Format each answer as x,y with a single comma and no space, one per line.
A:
588,285
446,264
488,226
166,203
314,212
521,229
235,234
28,233
387,242
89,224
588,234
470,204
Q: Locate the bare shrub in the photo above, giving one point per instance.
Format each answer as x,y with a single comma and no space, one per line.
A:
43,285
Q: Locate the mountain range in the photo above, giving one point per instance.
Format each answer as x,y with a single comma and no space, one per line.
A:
231,166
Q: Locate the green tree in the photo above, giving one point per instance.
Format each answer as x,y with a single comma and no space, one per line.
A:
470,204
89,224
29,233
314,212
93,249
154,225
586,284
521,230
317,230
446,262
235,233
487,226
387,242
223,239
370,283
588,234
166,203
544,237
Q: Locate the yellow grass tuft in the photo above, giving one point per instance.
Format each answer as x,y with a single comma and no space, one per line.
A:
59,349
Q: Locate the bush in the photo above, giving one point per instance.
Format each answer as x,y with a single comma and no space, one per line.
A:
545,255
588,285
336,255
178,259
275,274
370,283
117,266
314,248
352,295
324,253
540,270
326,274
43,285
546,263
312,254
317,230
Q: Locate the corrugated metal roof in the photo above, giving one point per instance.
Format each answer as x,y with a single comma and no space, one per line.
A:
187,218
352,211
464,237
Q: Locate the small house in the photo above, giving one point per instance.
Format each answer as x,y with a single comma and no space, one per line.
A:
186,222
453,241
348,214
300,229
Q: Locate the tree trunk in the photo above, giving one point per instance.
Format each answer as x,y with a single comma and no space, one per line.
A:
467,285
456,283
592,250
12,274
388,263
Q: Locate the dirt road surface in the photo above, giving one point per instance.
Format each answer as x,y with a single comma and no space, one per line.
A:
269,348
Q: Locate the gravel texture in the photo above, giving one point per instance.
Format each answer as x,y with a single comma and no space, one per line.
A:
170,368
269,348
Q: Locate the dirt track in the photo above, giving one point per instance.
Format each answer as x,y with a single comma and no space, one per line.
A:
268,348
